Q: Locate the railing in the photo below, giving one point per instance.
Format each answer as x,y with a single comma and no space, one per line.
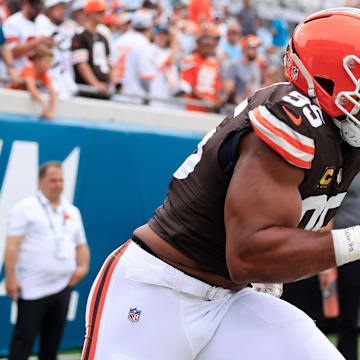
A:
90,91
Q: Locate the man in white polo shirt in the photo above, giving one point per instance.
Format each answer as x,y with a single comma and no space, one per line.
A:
46,254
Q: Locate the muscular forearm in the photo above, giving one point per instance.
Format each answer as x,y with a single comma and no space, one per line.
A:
279,254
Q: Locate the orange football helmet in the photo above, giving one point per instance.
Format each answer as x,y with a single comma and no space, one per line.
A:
323,59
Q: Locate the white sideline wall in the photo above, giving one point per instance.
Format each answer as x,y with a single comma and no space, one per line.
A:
80,108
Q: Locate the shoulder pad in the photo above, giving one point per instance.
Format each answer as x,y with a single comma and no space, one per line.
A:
283,133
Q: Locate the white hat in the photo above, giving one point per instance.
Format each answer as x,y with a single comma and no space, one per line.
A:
77,5
142,19
50,3
124,17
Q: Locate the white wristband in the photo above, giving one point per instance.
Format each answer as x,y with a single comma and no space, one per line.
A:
346,244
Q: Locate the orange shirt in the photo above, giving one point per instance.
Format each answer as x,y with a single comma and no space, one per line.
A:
29,72
200,10
203,75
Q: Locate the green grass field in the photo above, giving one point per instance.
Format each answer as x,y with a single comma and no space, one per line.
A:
75,354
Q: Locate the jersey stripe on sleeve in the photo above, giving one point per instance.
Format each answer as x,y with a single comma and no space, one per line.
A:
294,147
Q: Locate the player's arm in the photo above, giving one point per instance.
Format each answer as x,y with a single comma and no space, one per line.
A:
11,252
262,211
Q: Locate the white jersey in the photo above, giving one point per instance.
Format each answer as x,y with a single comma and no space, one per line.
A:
61,71
132,59
166,80
17,31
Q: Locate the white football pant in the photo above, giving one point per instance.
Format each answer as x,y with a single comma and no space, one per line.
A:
141,308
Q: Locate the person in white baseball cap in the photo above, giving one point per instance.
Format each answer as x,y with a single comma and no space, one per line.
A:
50,3
77,10
134,69
51,23
142,19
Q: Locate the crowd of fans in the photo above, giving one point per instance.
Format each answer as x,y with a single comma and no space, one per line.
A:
163,49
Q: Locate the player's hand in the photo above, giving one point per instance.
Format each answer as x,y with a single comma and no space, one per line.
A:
325,278
77,275
12,287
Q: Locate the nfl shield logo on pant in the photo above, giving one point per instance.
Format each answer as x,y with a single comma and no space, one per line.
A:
134,314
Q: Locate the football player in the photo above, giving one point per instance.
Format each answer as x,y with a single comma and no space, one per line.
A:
245,208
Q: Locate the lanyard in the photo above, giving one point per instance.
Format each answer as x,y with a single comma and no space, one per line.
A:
48,216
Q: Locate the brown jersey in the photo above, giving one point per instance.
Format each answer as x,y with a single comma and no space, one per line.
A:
192,217
94,50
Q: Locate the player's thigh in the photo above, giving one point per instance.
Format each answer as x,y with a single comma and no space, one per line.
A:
139,321
259,326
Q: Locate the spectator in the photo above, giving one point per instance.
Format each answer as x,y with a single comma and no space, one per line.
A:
248,19
230,48
125,23
266,49
4,11
199,11
133,5
179,12
348,283
187,33
280,32
133,58
22,35
46,255
153,5
90,50
113,24
200,75
8,59
37,71
219,20
78,15
51,23
164,56
243,76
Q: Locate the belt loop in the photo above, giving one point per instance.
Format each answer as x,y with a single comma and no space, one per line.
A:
178,281
211,293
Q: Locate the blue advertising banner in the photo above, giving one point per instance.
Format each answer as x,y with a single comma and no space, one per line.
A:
117,175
